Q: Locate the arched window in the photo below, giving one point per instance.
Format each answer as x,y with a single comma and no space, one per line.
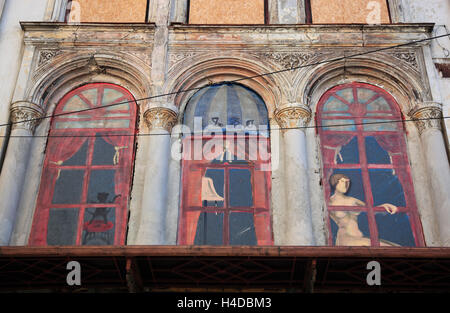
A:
367,179
84,190
226,169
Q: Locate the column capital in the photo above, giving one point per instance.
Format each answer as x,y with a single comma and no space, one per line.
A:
293,115
427,115
160,118
25,115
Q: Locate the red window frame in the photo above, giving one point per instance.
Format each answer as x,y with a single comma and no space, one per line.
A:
124,167
194,170
358,112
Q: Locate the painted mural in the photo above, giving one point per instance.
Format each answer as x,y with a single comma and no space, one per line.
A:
83,198
225,190
368,187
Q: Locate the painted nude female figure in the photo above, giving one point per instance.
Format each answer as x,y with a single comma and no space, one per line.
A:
348,233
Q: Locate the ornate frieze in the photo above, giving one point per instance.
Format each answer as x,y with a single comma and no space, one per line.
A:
160,118
293,116
408,57
25,115
47,55
290,59
427,116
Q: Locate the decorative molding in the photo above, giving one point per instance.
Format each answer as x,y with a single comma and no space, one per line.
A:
25,115
174,58
427,116
289,59
293,116
47,55
408,57
160,118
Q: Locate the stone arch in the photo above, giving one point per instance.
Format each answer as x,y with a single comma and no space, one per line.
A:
403,82
69,71
207,69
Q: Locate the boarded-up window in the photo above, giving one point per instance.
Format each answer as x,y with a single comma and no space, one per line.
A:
349,11
227,11
108,11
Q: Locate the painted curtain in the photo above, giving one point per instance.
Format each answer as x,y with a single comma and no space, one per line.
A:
84,190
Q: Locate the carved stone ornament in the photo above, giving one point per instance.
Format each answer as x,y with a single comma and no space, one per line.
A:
160,118
25,115
297,116
288,59
46,55
427,116
408,57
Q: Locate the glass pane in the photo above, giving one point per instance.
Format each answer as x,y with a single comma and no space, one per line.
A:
346,188
213,188
380,125
380,104
110,96
101,187
209,229
242,229
346,94
103,152
68,187
348,154
62,227
334,104
365,95
75,104
394,229
94,124
91,95
79,158
386,188
98,227
375,153
241,188
349,228
338,125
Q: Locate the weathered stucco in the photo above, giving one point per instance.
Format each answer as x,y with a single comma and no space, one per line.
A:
119,11
226,12
165,59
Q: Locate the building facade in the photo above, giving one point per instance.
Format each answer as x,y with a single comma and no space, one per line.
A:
225,123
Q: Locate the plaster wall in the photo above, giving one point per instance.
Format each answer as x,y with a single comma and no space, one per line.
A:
438,12
348,11
11,50
119,11
226,12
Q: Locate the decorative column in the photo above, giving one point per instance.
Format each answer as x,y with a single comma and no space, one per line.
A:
292,118
24,116
151,230
428,118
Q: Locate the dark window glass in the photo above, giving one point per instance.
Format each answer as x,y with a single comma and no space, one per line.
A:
395,229
209,229
79,158
242,229
101,186
240,188
68,187
386,188
375,153
103,152
62,227
349,154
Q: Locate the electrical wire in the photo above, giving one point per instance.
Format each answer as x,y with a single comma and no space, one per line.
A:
237,131
225,82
